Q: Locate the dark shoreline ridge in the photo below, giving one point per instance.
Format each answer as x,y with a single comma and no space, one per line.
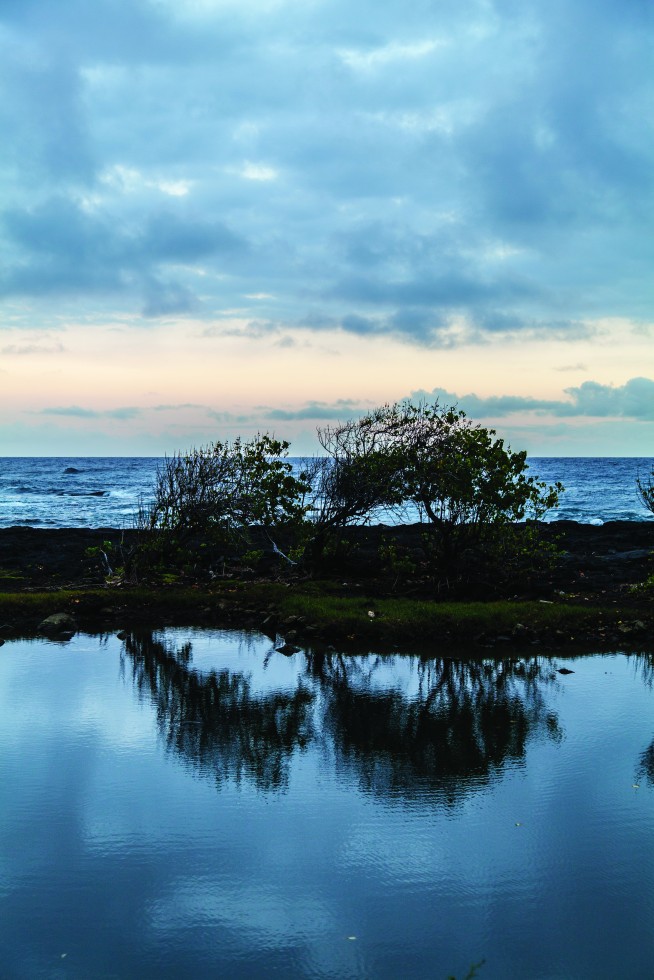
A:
606,555
587,601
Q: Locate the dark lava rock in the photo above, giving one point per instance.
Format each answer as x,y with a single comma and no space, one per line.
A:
595,558
59,624
287,649
53,556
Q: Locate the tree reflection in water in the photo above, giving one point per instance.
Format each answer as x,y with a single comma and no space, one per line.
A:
645,768
468,721
463,722
215,721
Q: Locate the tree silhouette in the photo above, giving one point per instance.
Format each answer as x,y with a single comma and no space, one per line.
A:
215,721
464,724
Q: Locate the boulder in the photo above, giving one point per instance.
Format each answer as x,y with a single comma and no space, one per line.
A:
58,623
287,649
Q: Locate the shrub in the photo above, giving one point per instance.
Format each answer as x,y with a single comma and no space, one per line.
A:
219,493
229,486
456,475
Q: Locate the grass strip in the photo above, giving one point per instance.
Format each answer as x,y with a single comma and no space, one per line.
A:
329,617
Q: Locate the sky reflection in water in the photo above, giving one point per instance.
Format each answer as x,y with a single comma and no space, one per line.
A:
194,803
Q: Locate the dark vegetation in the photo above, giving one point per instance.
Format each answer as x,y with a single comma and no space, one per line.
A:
646,490
416,527
239,502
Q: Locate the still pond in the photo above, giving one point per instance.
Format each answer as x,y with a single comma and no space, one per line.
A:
193,803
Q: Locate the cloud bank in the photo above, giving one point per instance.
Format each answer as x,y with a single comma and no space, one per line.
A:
446,175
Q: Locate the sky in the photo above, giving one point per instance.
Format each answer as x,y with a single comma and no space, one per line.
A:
223,217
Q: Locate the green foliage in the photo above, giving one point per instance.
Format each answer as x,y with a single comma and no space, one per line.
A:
208,500
646,490
252,557
97,551
430,462
227,486
453,471
456,472
296,554
402,460
396,561
644,589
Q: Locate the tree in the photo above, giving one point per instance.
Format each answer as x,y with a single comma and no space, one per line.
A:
220,492
351,480
456,475
453,470
473,490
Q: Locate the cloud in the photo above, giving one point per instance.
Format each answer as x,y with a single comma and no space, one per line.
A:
72,411
124,414
62,248
394,171
388,54
184,406
315,410
230,418
166,299
564,368
25,350
257,171
633,400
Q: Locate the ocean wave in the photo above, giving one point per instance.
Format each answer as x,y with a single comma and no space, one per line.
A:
105,492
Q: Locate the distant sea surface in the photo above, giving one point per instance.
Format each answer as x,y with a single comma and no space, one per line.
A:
105,491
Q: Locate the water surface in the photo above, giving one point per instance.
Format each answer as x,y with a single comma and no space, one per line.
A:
97,491
193,803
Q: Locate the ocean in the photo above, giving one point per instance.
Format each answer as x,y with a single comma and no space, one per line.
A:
105,491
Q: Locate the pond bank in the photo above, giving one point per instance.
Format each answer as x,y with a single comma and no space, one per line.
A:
587,601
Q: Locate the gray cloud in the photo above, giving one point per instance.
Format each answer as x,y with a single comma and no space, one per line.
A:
25,350
72,252
230,418
72,411
633,400
319,411
184,406
75,411
391,171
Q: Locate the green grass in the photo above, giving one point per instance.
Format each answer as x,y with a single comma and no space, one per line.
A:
395,620
410,616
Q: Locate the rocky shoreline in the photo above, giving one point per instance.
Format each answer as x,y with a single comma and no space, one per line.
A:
594,557
591,590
